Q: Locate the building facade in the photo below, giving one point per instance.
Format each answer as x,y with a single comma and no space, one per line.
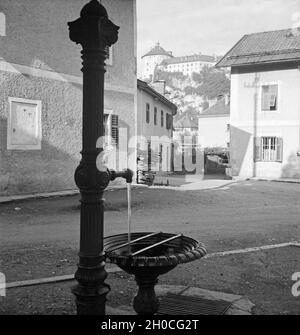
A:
160,59
41,92
187,64
265,105
152,59
186,153
214,125
155,129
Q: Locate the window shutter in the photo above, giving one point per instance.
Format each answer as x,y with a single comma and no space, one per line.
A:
257,149
279,146
115,129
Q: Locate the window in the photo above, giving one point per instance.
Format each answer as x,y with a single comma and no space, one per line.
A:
115,129
155,116
149,156
268,149
111,125
169,121
269,98
147,113
162,118
2,25
24,124
160,156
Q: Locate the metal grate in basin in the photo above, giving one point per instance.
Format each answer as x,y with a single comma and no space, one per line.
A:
173,304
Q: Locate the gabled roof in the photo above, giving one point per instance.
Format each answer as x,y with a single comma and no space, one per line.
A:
266,47
158,50
188,59
220,108
142,85
186,122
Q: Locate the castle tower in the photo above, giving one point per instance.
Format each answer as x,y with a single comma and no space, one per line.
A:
153,58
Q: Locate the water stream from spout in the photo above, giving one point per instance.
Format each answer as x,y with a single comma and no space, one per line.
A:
129,216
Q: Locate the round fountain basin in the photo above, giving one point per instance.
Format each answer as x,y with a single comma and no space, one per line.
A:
160,259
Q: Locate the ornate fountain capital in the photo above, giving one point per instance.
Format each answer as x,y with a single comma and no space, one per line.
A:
93,28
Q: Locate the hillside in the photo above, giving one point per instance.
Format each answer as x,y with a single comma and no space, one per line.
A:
192,95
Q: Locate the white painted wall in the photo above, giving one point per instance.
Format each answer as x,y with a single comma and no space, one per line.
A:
213,131
248,121
149,63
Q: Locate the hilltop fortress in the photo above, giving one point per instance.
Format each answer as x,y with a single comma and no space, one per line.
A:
164,60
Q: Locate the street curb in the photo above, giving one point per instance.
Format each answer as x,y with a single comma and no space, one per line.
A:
294,181
49,280
68,193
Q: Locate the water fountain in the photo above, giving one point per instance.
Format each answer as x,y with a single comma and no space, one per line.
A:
147,256
143,254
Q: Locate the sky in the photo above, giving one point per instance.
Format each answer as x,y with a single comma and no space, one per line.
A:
187,27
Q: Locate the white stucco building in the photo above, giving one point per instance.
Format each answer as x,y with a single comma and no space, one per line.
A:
265,105
155,128
152,59
41,93
214,125
159,58
188,64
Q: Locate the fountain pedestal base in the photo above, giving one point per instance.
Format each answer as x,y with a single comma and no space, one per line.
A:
147,264
146,302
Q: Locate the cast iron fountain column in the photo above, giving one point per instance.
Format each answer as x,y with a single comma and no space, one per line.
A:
94,31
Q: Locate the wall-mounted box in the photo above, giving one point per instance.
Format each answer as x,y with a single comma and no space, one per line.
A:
24,131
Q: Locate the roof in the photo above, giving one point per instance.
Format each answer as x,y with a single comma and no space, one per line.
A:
186,122
266,47
158,50
220,108
142,85
188,59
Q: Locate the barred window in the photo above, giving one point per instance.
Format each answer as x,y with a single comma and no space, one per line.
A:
268,149
269,101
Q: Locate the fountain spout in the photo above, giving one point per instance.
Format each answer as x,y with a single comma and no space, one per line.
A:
126,174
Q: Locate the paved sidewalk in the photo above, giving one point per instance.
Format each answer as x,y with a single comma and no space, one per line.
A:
192,182
240,305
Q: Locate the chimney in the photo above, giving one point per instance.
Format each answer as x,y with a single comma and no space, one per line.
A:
159,86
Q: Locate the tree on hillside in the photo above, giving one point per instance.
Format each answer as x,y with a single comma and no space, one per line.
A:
168,76
212,83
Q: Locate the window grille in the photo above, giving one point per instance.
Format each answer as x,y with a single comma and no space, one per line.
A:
268,149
